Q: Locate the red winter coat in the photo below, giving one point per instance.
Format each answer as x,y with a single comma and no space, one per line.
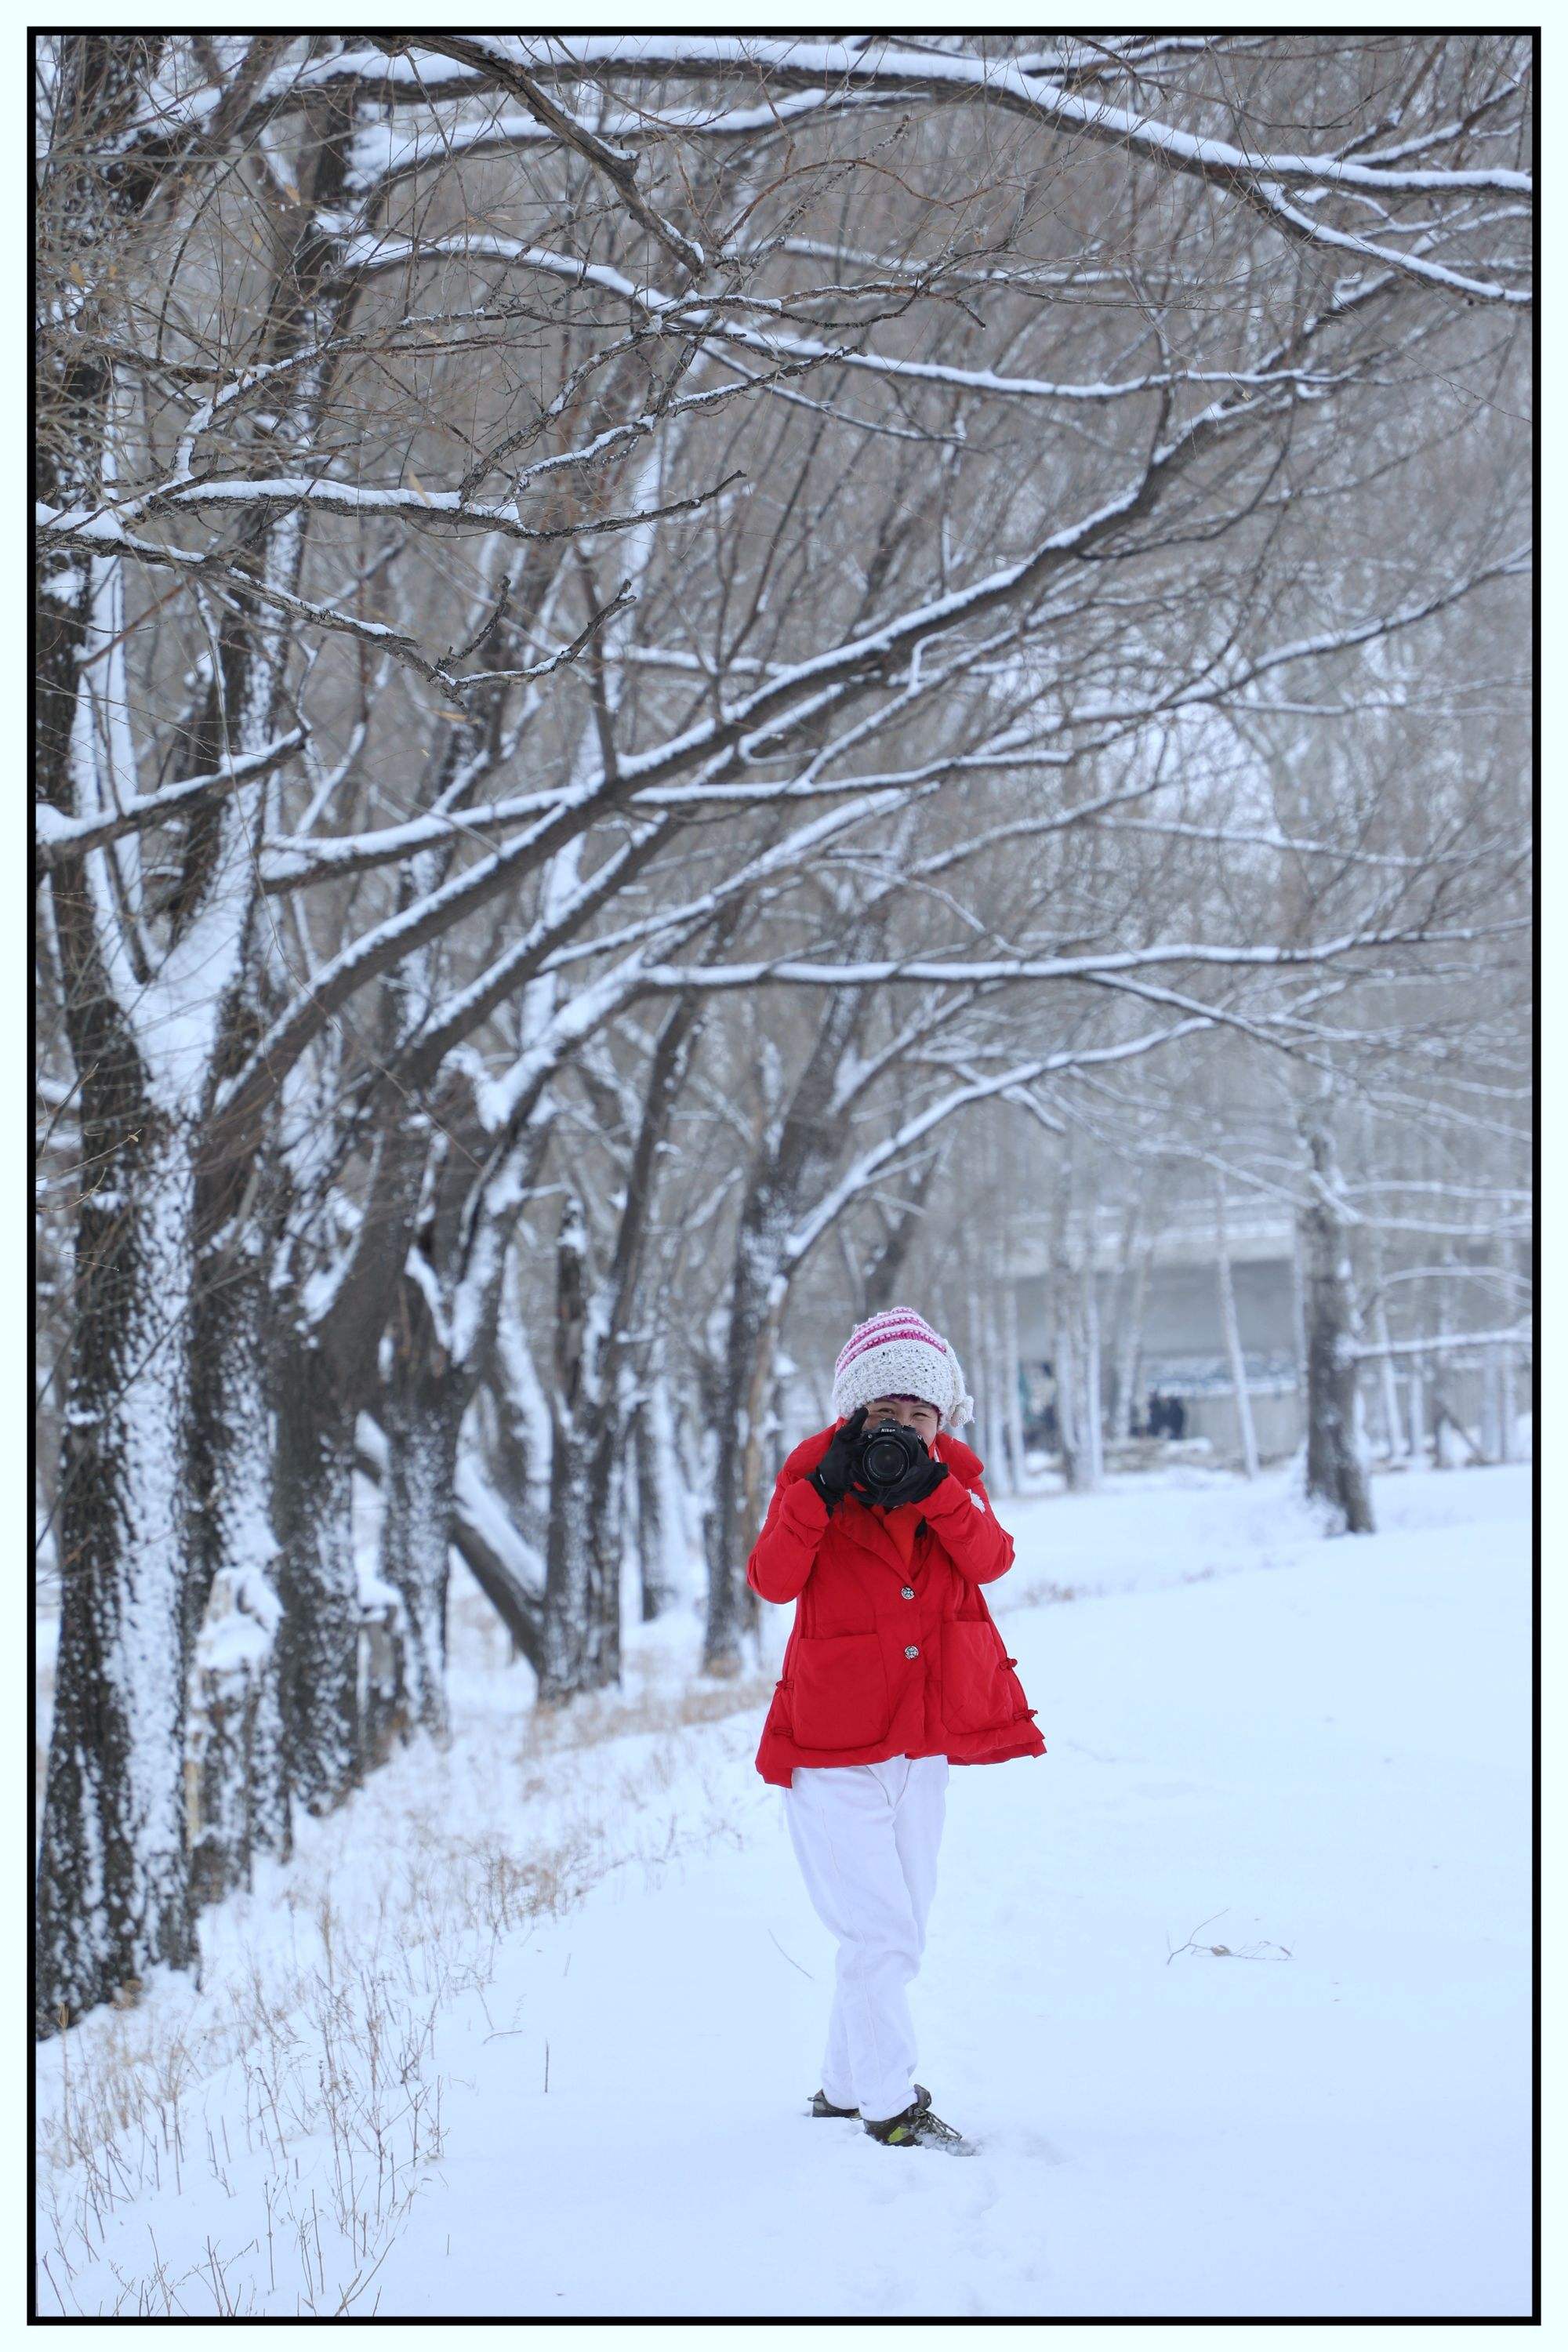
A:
887,1657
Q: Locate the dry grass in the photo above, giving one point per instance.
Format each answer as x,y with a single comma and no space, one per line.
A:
1045,1596
589,1722
300,2080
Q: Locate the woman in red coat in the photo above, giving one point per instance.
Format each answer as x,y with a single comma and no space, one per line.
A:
893,1671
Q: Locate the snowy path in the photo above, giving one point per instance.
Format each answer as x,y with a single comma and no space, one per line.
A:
1333,1755
1329,1751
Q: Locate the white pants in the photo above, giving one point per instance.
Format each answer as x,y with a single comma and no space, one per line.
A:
866,1836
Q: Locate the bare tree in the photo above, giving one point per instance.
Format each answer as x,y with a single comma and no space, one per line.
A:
745,593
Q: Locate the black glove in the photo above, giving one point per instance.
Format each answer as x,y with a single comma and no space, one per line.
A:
839,1467
922,1478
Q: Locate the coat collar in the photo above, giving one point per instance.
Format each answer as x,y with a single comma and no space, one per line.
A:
865,1527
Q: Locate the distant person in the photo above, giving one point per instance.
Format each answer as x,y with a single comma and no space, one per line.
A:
893,1671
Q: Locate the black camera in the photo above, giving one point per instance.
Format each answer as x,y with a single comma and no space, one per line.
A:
888,1454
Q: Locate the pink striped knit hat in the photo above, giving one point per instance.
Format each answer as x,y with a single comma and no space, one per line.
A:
899,1354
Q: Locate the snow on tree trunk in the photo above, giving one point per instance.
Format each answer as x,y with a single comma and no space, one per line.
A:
317,1579
149,1009
1230,1324
740,1481
1299,1310
606,1548
508,1571
680,1506
730,1528
575,1646
758,1295
782,1181
505,1566
525,1428
234,1761
422,1407
568,1595
242,1803
1335,1472
113,1899
112,1890
658,1589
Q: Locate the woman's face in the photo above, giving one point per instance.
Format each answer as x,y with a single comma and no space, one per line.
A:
913,1411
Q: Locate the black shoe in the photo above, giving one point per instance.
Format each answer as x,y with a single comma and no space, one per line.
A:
825,2107
822,2106
918,2127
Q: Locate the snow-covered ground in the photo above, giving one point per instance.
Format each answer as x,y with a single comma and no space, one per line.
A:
1232,1987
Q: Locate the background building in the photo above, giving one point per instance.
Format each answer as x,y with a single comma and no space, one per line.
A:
1178,1346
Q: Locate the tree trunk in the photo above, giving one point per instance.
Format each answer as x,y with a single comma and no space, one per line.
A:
1093,1435
1447,1426
809,1142
990,1404
574,1598
113,1899
237,1805
1335,1472
423,1404
757,1299
1010,1373
1233,1348
525,1428
729,1529
1129,1346
680,1503
1077,1473
507,1570
606,1490
1388,1388
656,1586
1417,1409
567,1597
1387,1379
996,1380
235,1714
317,1579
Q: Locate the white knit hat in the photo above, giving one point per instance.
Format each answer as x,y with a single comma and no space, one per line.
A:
899,1354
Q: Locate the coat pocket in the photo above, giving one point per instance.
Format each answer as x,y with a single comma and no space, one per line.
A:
976,1688
838,1691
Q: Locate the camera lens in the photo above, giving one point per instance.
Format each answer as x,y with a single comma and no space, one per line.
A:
887,1454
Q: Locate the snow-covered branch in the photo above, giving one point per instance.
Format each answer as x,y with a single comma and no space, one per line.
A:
57,837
